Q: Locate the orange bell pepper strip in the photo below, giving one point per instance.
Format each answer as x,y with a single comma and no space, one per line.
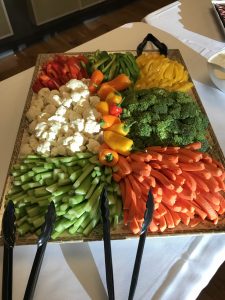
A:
108,157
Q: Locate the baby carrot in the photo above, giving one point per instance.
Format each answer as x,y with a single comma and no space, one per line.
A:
204,204
163,179
194,146
123,165
197,166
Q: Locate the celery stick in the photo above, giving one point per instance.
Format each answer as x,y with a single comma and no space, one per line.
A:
83,188
20,221
91,189
24,228
77,210
63,207
91,225
76,199
31,185
77,224
62,190
37,222
33,211
75,175
41,191
81,155
52,188
85,172
64,181
94,197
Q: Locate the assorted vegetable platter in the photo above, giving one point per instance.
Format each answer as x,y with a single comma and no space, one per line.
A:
128,123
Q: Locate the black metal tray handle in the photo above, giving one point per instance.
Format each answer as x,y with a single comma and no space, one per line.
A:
151,38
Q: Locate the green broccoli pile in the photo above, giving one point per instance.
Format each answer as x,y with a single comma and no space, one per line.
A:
163,118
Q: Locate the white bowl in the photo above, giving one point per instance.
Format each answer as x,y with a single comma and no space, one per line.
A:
216,67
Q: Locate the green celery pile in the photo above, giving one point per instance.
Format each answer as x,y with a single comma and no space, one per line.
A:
163,118
73,183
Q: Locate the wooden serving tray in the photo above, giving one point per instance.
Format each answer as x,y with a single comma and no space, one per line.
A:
121,231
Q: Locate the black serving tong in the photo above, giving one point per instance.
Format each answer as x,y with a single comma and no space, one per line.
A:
42,241
147,220
9,232
107,244
151,38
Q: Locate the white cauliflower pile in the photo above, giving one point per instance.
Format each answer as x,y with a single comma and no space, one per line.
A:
63,122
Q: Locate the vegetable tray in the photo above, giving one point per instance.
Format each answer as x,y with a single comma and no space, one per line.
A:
121,231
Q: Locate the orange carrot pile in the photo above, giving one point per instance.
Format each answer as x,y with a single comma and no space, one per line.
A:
187,186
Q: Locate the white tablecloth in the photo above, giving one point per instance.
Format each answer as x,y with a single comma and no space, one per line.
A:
172,268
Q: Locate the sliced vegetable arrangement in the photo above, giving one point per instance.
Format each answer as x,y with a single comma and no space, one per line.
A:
126,123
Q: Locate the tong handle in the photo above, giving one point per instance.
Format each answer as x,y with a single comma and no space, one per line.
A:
137,265
151,38
7,273
34,274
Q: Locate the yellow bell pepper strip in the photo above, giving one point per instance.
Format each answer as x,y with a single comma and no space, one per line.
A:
121,128
117,142
114,97
108,157
108,120
96,79
102,107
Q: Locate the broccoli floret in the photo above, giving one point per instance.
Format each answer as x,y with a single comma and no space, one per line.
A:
189,110
182,97
142,129
175,110
160,108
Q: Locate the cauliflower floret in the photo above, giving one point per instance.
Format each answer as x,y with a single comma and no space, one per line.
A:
85,93
32,126
94,100
54,126
92,127
73,115
54,99
37,102
61,111
44,148
75,84
25,149
44,92
78,109
58,119
61,150
32,113
93,146
40,128
50,109
67,103
75,96
63,88
54,151
78,125
91,114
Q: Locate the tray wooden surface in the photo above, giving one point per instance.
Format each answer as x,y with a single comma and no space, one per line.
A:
121,231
